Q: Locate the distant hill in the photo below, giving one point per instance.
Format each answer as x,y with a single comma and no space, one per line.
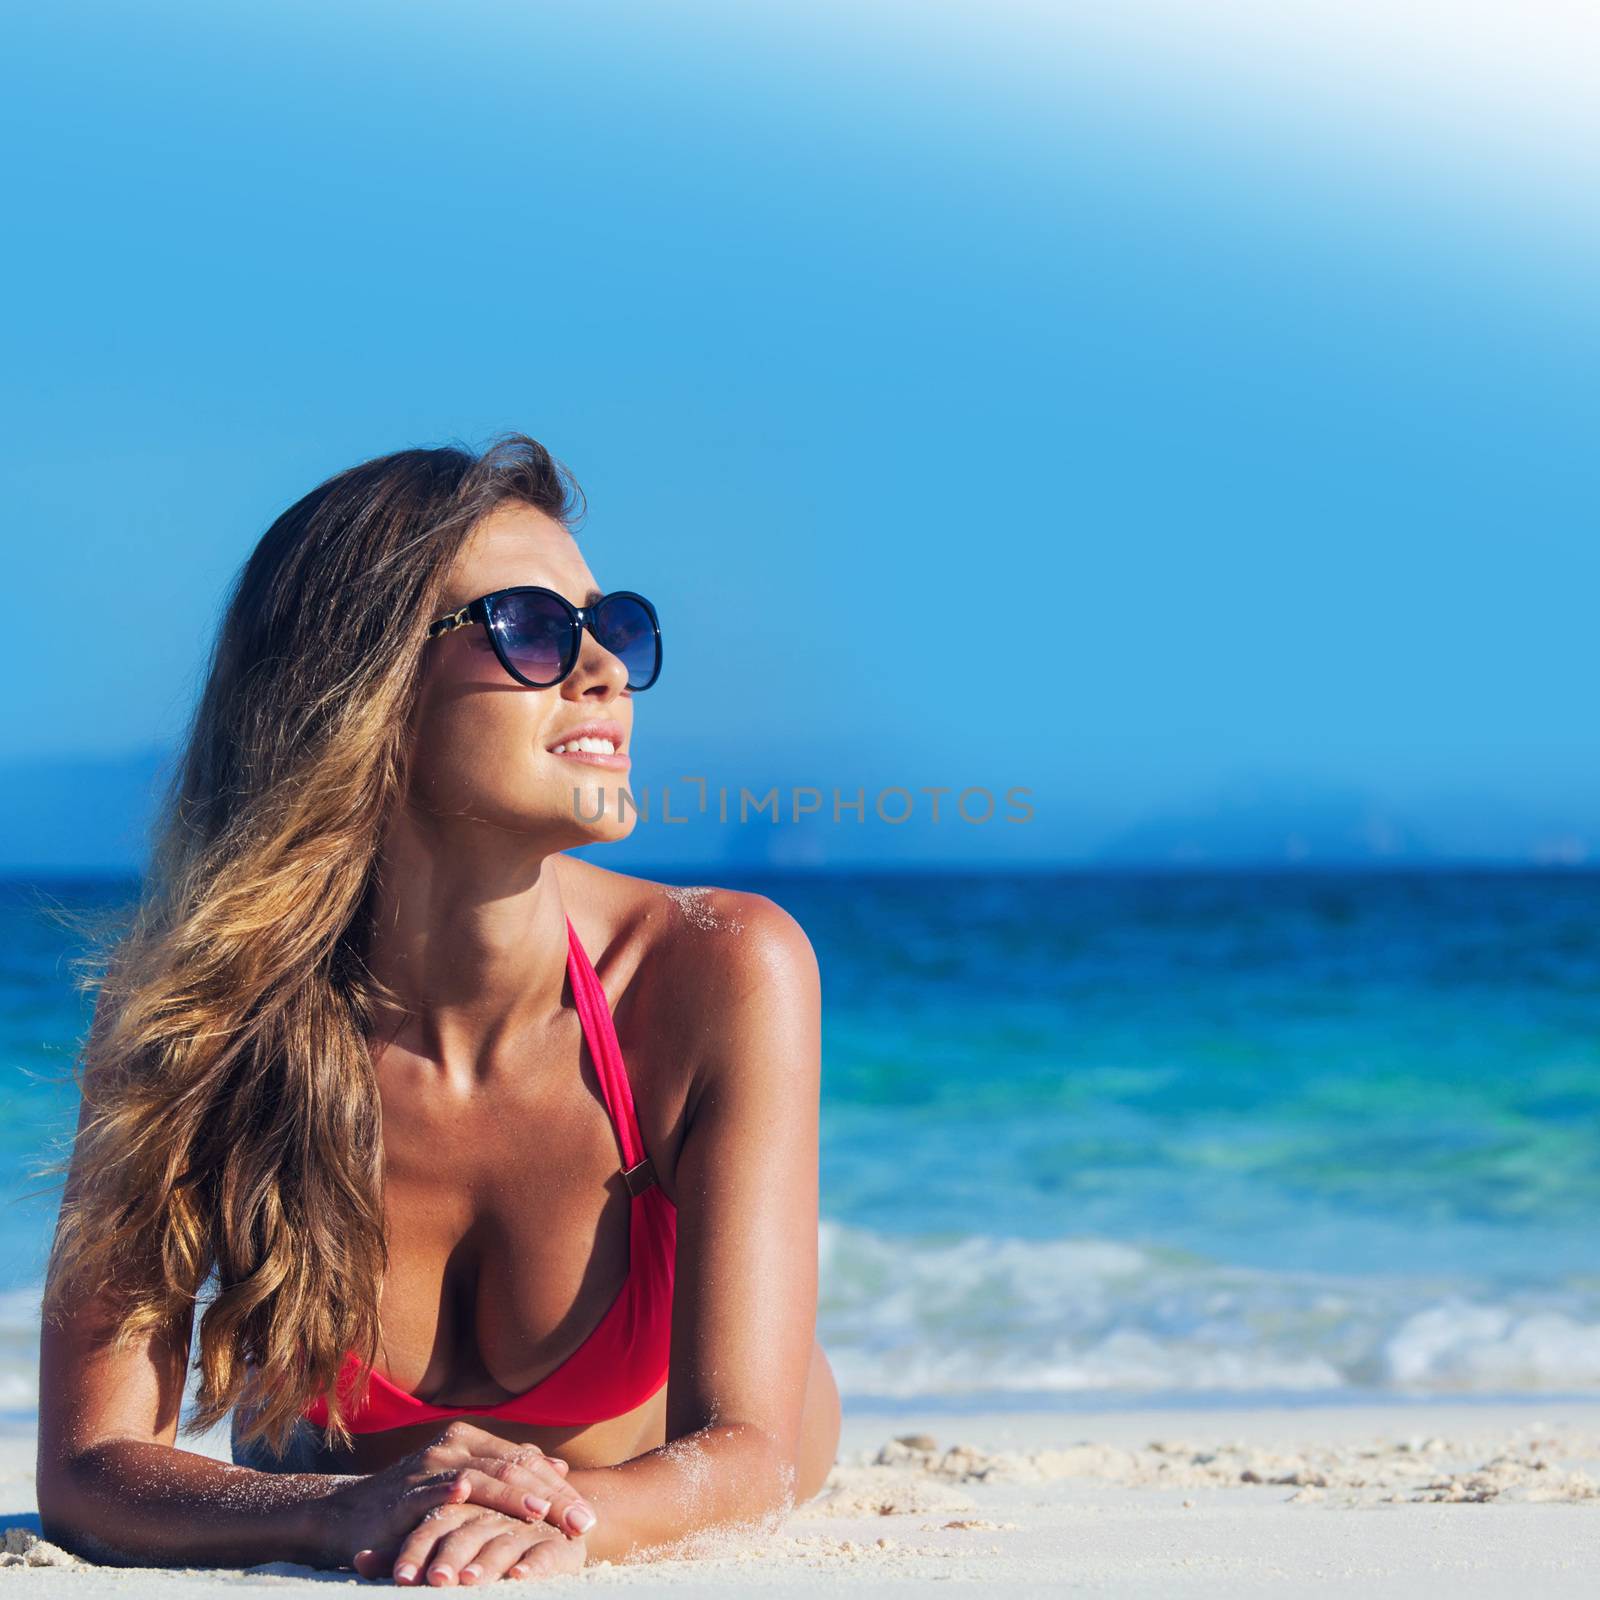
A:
1271,824
91,814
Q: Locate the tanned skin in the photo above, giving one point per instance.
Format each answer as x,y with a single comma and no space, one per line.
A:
507,1215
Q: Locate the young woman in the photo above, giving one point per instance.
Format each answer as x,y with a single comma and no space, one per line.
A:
501,1167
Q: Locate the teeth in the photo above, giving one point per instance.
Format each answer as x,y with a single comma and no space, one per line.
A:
594,747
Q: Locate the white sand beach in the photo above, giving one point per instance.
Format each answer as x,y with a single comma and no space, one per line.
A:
1406,1500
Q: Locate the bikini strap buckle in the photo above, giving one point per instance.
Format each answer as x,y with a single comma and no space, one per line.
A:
639,1177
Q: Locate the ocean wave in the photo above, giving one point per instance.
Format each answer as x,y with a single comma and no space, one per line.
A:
908,1317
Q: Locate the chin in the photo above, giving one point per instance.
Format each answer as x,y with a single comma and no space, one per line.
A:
598,815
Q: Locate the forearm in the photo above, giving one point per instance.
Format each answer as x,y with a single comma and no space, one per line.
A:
136,1503
715,1477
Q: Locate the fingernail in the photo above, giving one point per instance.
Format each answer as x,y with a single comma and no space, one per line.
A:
439,1574
471,1573
518,1571
405,1572
535,1505
580,1519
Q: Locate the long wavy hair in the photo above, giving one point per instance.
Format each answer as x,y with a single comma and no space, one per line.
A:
229,1124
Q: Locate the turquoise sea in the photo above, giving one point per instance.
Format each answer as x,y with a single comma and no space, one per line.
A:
1127,1139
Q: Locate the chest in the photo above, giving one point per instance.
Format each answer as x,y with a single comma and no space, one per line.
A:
509,1227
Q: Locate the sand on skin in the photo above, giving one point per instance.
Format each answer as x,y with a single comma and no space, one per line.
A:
1423,1500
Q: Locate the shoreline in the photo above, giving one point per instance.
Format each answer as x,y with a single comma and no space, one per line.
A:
1063,1406
1437,1499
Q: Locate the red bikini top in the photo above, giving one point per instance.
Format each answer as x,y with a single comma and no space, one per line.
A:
624,1360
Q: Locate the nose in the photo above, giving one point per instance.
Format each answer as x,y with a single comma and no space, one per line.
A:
599,675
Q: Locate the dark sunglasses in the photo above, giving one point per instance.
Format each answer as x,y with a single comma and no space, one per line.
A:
538,633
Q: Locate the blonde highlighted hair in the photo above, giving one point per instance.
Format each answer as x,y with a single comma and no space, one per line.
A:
229,1127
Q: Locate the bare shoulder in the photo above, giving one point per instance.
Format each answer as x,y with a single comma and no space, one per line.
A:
706,937
744,985
709,965
722,946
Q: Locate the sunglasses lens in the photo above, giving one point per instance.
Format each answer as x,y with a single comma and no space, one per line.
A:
536,633
627,629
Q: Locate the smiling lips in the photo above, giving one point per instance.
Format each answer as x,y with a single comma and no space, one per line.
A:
598,744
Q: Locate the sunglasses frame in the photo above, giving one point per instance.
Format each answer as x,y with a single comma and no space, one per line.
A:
485,607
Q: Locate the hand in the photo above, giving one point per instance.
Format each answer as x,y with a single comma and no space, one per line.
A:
464,1464
470,1545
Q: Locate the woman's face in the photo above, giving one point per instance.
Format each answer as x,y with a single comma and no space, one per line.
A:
484,743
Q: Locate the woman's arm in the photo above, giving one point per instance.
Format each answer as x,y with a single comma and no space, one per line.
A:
113,1486
111,1483
745,1291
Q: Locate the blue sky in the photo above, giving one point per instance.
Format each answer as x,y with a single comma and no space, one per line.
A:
1178,413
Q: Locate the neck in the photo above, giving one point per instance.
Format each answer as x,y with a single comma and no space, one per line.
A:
469,930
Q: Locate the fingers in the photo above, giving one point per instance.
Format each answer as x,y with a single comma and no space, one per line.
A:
566,1510
536,1476
464,1439
418,1546
501,1552
546,1502
475,1441
483,1548
455,1557
373,1563
551,1499
552,1555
